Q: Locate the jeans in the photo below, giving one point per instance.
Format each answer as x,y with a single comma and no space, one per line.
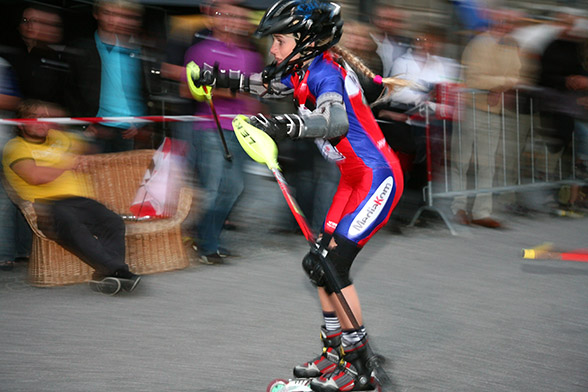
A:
222,183
87,229
185,131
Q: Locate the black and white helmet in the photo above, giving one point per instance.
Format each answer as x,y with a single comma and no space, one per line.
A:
310,21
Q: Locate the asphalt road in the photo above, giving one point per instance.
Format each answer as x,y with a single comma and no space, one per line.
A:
451,313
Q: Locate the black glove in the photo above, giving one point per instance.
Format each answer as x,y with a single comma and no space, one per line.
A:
214,76
207,76
279,127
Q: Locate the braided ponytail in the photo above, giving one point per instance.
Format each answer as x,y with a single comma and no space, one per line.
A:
390,83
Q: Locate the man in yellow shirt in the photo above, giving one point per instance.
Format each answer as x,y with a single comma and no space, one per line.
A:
39,164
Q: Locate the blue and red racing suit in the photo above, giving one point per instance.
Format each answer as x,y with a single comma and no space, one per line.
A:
371,177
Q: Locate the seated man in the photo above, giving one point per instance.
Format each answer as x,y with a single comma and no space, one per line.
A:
39,164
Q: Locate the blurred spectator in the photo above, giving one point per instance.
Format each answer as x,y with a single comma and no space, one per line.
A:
388,22
513,165
180,38
108,74
534,37
39,165
424,66
391,44
511,162
492,65
39,67
357,39
221,180
564,104
564,77
403,110
471,14
14,231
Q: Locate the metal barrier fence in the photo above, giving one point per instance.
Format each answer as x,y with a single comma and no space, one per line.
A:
508,141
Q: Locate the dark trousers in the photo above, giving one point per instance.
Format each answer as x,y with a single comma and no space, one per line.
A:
87,229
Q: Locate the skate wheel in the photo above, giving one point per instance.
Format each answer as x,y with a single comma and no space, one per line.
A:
277,385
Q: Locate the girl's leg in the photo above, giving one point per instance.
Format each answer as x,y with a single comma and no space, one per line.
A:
331,334
330,303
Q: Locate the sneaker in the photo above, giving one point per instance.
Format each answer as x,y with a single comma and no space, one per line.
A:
221,252
108,285
130,284
212,258
7,265
128,280
224,252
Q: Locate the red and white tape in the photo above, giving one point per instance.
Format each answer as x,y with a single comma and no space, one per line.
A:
96,120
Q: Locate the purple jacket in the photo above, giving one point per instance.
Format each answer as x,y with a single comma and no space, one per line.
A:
228,56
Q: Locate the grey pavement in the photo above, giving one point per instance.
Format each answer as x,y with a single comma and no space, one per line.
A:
451,313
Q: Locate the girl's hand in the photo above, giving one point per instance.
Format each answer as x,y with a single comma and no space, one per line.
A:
279,127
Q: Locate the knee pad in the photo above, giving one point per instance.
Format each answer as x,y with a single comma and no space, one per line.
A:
313,268
342,257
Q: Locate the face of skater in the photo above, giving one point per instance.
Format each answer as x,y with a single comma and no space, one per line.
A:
282,46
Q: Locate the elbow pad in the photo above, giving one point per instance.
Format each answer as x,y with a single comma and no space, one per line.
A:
329,120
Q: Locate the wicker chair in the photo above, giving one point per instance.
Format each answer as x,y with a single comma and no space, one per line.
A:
151,245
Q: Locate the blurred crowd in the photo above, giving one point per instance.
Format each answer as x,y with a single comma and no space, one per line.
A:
492,82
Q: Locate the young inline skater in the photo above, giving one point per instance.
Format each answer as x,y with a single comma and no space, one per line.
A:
332,111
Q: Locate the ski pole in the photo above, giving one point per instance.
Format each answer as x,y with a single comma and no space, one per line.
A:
201,93
228,156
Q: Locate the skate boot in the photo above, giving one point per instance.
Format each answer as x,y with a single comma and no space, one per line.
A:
352,373
327,361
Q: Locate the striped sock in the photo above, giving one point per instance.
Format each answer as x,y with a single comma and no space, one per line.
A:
331,321
353,336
